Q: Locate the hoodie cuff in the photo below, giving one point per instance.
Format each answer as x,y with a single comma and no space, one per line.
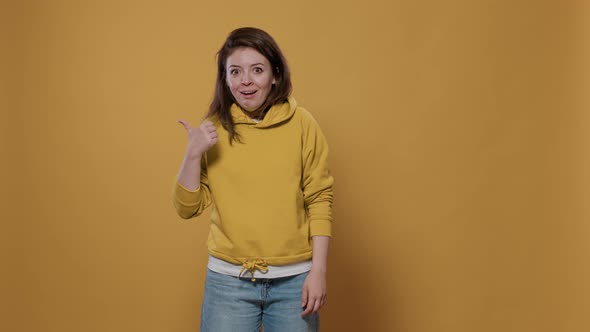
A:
320,228
186,197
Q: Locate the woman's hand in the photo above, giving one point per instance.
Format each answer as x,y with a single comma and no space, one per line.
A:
200,139
314,292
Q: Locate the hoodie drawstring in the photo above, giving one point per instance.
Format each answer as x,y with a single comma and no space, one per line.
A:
253,265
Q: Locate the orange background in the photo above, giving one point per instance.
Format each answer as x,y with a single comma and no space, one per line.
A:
459,133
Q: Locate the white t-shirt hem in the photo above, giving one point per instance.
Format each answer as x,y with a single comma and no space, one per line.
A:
274,271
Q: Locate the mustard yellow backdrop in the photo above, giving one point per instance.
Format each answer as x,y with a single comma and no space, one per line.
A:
459,133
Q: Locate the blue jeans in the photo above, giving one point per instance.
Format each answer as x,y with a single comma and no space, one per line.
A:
240,305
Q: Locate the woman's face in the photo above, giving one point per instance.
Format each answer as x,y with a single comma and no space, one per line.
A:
249,77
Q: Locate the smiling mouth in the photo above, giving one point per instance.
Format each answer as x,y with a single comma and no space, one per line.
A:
247,93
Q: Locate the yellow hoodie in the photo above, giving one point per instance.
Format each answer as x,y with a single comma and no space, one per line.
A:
271,193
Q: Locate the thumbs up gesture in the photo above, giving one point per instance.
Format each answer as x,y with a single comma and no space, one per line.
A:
201,138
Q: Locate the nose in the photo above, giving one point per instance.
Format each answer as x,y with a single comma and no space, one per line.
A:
246,79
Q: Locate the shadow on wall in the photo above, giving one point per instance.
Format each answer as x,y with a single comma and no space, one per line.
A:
361,295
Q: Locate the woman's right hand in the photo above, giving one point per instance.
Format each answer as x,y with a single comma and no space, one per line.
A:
200,139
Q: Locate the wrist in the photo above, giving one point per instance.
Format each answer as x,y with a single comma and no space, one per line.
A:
193,155
318,268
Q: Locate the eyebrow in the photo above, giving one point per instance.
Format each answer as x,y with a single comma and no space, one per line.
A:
255,64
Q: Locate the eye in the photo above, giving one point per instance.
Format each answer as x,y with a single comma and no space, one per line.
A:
233,71
258,70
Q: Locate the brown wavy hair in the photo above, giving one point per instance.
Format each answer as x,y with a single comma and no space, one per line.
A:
223,99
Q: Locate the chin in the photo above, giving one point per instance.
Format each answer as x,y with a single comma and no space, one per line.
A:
250,107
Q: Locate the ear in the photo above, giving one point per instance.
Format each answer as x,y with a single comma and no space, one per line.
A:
274,81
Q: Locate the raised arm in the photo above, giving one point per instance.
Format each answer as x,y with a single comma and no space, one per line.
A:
191,192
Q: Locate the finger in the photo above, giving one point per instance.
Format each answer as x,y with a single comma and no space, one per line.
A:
308,308
185,123
316,306
304,297
209,128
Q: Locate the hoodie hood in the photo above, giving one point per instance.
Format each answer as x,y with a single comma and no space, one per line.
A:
277,114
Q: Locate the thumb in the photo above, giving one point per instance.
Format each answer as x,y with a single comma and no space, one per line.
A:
304,296
185,123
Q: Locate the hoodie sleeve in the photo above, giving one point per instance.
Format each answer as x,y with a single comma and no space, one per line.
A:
189,203
317,181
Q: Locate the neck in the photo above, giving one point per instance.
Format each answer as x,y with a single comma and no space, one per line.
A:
258,114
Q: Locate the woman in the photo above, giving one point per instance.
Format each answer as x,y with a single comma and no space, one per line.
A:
262,161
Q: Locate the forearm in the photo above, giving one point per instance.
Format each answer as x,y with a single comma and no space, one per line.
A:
189,175
320,253
191,194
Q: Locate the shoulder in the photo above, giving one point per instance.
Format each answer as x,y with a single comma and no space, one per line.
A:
305,117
